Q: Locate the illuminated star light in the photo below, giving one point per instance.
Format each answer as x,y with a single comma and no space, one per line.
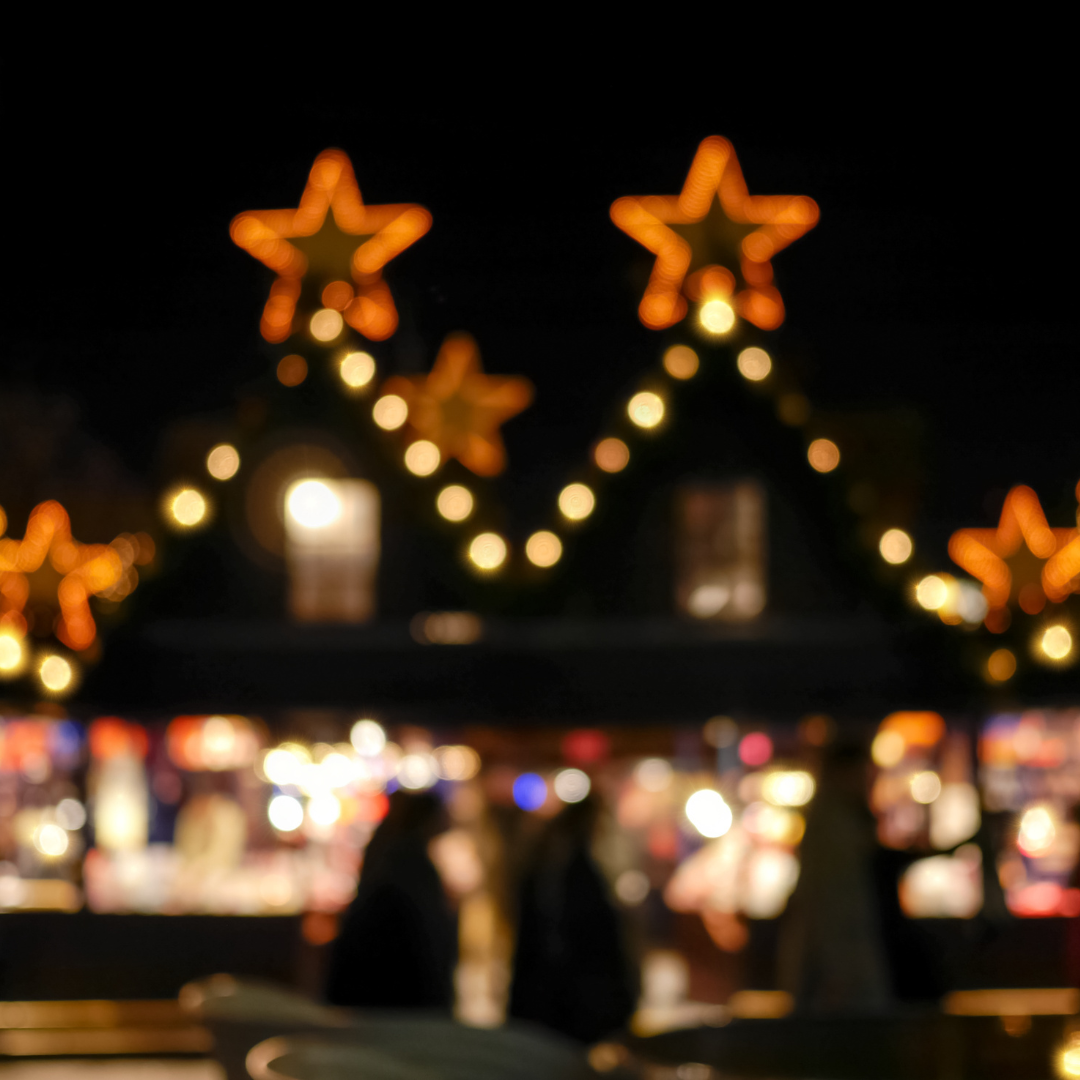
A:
692,232
459,408
330,249
85,569
982,552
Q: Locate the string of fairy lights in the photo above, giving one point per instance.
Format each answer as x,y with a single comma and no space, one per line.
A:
687,287
724,309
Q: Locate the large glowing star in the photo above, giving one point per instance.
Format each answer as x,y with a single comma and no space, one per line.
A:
336,259
459,408
982,552
84,570
714,240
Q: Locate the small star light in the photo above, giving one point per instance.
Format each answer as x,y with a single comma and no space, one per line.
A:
714,244
85,570
334,237
982,553
458,408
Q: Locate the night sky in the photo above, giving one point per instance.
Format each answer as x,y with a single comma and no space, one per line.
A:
940,276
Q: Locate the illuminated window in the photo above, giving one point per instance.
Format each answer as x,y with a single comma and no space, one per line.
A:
332,549
720,551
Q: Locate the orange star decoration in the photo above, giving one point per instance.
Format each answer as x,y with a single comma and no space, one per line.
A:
460,409
355,242
982,553
84,570
714,241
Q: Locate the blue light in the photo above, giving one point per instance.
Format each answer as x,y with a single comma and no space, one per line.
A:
530,791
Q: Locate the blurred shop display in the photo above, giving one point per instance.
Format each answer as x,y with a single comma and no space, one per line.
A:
213,815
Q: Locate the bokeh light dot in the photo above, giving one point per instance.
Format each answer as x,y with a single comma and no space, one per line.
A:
56,673
755,748
1002,665
422,458
543,549
646,409
572,785
1056,642
612,455
823,455
390,412
896,546
709,813
932,592
530,791
188,507
223,462
367,737
681,362
285,813
357,370
326,324
454,502
754,364
717,316
576,501
292,370
488,551
313,504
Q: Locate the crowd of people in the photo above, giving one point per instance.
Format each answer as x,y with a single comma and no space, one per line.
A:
573,971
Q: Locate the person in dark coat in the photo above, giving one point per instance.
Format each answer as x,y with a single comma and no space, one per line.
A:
832,951
571,968
397,948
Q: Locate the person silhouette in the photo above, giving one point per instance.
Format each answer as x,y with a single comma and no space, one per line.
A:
397,948
571,969
832,952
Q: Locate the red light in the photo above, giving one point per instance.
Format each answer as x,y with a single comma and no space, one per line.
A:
585,746
755,749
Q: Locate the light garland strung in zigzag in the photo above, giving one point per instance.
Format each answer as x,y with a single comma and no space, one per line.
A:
712,221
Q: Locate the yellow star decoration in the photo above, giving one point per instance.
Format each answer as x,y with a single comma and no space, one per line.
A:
84,570
459,408
714,240
982,553
354,241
